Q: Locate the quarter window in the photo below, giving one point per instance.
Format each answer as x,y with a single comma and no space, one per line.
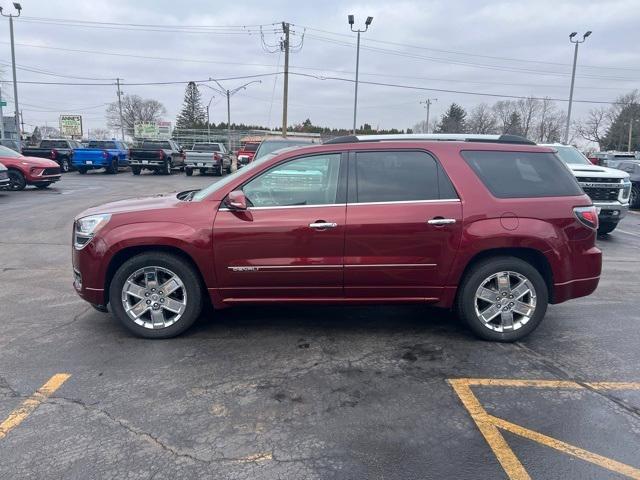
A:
522,174
303,181
389,176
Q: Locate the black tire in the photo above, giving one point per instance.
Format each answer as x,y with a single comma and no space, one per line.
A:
173,263
17,181
42,185
82,170
112,169
135,170
482,270
167,168
634,200
65,165
220,171
189,172
607,227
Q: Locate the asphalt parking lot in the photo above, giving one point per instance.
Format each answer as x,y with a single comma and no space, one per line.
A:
302,392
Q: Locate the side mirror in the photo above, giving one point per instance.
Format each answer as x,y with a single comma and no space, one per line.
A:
236,200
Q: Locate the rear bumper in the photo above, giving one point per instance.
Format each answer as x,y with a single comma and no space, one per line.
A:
147,163
210,165
586,270
90,163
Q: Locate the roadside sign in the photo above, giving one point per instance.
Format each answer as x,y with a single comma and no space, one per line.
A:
71,125
145,130
164,129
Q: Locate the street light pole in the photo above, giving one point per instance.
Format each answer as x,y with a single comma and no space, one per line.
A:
358,31
427,104
228,93
18,7
209,122
573,78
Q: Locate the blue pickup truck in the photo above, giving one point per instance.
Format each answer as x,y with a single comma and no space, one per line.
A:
107,154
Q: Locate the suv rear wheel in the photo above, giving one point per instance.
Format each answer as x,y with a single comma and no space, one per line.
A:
503,299
156,295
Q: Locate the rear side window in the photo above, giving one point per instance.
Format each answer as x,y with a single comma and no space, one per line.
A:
522,174
389,176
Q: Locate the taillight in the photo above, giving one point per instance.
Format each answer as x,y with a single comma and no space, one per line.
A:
587,215
216,157
160,154
105,154
54,153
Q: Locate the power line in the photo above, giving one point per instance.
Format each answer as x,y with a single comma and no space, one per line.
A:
467,64
512,59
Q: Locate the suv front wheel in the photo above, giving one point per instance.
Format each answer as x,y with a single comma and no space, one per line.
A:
156,295
503,299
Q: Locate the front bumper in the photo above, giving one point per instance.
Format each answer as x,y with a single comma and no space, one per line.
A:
611,212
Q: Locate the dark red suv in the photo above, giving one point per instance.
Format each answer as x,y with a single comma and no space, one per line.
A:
495,227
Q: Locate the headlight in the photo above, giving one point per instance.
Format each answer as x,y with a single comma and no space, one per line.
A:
87,227
626,189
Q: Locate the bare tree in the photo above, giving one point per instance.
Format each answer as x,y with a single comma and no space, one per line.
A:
134,109
528,109
100,134
594,128
482,120
550,124
503,110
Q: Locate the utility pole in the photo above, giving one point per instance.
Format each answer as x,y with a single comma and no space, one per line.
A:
359,31
22,121
1,115
427,104
285,95
120,108
630,133
573,78
228,93
18,7
208,121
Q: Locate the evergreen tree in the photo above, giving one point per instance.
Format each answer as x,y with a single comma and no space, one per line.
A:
514,125
453,120
617,137
193,113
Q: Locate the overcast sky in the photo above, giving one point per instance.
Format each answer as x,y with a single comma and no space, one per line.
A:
460,45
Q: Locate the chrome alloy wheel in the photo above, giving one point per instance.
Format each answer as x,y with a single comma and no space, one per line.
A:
505,301
154,297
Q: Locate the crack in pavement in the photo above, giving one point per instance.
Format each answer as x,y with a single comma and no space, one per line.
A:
561,371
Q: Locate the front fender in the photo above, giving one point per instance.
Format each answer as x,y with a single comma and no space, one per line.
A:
191,241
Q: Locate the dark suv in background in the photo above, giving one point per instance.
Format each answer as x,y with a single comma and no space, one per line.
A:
492,226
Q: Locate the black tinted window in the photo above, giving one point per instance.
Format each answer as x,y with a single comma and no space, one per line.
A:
397,176
523,174
159,145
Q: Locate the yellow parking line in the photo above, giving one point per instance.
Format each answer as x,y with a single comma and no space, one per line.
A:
569,449
16,417
490,425
492,435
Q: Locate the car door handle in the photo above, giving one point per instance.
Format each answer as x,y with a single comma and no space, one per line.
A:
321,224
441,221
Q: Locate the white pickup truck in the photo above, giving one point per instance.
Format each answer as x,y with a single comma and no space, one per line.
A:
207,158
608,188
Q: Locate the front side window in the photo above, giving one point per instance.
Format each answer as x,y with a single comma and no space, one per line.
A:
388,176
522,174
303,181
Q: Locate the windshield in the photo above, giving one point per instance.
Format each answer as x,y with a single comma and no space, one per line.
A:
571,155
270,146
229,178
152,145
7,152
250,147
101,144
206,147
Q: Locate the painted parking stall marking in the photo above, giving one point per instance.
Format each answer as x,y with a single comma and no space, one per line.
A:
490,425
16,417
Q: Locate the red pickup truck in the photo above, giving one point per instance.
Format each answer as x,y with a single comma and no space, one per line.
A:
494,227
246,153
